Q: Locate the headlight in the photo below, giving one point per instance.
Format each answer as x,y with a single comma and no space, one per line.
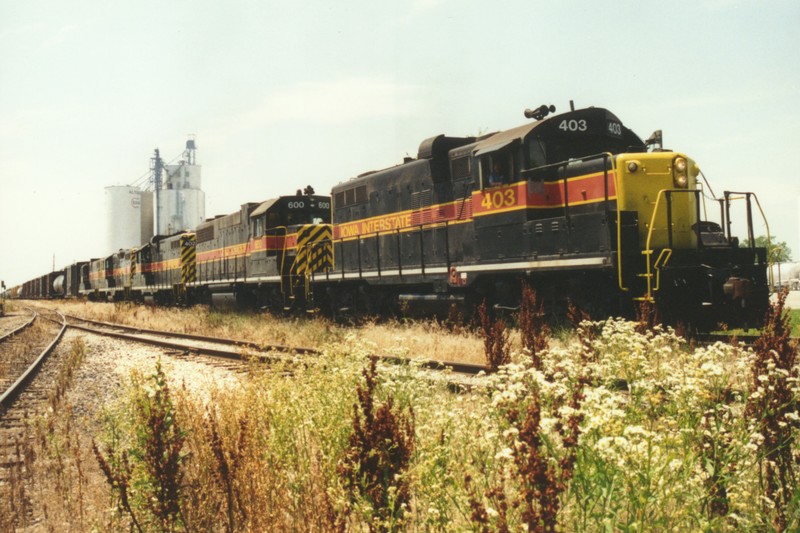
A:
679,178
633,167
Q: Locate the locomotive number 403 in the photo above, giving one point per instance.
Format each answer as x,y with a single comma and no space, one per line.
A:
499,199
573,125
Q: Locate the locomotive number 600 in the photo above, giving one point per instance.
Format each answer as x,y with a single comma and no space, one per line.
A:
499,199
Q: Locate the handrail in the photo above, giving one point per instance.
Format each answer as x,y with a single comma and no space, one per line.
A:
752,241
648,251
666,253
728,197
657,267
585,159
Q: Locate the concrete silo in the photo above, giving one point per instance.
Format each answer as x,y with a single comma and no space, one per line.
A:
129,217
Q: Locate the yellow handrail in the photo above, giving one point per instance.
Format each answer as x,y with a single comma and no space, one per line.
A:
657,267
283,251
622,287
648,251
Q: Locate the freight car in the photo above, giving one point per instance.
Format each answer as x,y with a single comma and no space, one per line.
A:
47,286
575,205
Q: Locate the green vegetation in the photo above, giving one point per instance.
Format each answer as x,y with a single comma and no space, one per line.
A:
622,429
794,315
777,251
618,426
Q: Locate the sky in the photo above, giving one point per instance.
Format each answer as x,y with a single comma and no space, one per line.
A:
280,95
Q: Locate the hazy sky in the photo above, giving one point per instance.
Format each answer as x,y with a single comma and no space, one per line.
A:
285,94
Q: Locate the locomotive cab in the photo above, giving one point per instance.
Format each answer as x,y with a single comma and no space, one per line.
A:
579,191
290,241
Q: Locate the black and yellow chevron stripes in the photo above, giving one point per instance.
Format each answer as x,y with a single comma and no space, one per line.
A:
188,258
134,261
314,249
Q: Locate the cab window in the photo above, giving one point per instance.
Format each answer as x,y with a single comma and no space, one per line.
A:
258,227
537,156
497,169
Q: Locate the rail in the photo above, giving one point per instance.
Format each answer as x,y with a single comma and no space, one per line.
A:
725,207
19,385
666,253
20,328
457,367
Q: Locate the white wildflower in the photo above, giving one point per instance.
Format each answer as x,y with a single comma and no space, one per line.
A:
504,454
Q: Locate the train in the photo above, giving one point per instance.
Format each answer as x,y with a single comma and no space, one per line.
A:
573,204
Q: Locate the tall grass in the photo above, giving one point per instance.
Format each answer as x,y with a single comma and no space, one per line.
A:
773,409
406,337
495,338
375,463
794,317
621,427
561,447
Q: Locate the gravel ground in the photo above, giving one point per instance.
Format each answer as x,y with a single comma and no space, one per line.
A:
65,490
108,365
12,321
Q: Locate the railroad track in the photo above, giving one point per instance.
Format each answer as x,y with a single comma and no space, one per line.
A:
27,374
190,343
23,354
22,396
236,348
707,339
9,333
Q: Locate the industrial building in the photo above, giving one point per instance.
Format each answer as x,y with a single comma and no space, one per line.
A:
170,202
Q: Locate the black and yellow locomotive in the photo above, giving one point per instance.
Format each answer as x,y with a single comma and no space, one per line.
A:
262,255
575,205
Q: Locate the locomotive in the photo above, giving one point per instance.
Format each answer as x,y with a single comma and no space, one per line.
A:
575,205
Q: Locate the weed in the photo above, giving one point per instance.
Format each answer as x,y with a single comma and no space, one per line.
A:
160,439
495,339
66,373
533,328
157,472
228,464
576,315
647,317
773,407
455,319
379,454
715,451
117,470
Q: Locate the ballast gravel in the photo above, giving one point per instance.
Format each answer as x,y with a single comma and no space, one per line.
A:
12,321
108,364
